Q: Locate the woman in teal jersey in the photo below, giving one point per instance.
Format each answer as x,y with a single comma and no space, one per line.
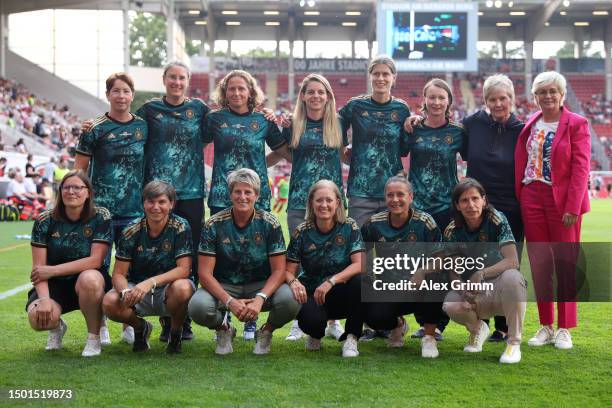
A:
113,151
69,244
239,134
314,146
376,121
433,146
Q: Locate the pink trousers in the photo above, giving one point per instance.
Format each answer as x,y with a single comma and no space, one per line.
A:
550,254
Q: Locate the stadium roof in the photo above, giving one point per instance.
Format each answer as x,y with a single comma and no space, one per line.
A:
351,19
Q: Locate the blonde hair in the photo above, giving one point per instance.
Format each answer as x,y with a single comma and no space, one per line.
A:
332,135
310,215
442,84
244,176
256,96
501,82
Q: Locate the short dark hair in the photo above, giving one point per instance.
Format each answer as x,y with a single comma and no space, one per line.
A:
157,188
125,77
461,187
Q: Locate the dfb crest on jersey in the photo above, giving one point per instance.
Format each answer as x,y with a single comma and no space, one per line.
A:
255,125
88,232
189,114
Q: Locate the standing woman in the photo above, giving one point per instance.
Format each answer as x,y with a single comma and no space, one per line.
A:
433,146
314,146
328,247
552,160
69,244
113,150
376,121
491,136
239,134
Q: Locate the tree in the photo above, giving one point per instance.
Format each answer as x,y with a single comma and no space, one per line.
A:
492,52
191,49
567,51
147,40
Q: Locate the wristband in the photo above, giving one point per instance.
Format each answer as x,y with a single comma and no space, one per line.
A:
331,281
292,281
228,302
263,296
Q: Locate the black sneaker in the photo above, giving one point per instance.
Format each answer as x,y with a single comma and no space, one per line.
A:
164,321
187,333
141,338
438,335
419,334
175,344
497,337
368,335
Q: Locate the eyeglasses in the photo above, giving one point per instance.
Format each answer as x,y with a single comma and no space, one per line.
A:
544,92
76,189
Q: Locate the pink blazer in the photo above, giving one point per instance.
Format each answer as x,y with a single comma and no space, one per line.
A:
570,162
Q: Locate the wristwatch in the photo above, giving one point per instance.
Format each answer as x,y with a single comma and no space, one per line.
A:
263,296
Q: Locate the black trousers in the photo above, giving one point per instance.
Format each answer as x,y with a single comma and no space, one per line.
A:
343,301
383,315
193,212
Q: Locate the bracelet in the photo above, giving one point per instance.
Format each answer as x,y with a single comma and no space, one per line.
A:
122,293
228,302
331,281
292,281
263,296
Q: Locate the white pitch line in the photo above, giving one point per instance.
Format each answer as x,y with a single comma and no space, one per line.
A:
14,291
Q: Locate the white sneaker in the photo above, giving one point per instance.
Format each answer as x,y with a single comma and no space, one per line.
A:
334,330
511,355
563,339
105,339
127,336
55,336
429,347
295,333
93,347
396,335
224,341
313,344
349,347
263,340
476,341
544,335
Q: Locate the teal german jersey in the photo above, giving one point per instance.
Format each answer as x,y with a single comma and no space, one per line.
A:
175,149
148,256
323,255
378,140
312,161
70,241
494,229
242,255
116,151
239,141
420,227
433,164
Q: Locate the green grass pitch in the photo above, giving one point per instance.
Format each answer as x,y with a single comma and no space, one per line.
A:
292,377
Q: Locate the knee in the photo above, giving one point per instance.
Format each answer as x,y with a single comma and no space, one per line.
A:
283,298
454,308
111,303
180,290
90,281
202,309
513,280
